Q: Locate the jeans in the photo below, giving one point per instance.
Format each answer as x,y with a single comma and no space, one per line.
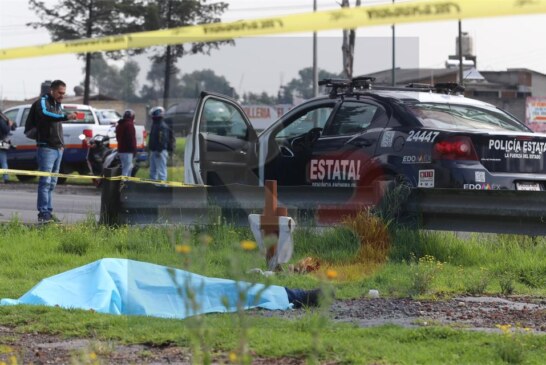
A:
4,162
126,159
49,160
158,165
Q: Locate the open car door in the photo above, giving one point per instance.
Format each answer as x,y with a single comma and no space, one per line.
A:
223,143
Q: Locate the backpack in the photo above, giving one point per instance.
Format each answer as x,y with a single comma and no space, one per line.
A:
3,134
31,124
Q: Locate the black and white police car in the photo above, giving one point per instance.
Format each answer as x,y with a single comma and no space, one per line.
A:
428,136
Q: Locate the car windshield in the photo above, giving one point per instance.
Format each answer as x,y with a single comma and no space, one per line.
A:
464,117
109,115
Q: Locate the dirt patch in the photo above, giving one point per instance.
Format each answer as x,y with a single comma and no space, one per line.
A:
471,313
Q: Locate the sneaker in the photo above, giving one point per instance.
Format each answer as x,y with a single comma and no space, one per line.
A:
47,218
44,218
308,298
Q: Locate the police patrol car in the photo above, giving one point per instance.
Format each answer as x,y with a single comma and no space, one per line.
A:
426,136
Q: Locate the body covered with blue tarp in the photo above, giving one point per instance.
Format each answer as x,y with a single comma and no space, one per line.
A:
122,286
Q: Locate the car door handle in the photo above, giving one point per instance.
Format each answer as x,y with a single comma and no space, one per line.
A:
361,142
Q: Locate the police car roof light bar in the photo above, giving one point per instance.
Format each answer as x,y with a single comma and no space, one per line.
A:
448,88
336,85
343,87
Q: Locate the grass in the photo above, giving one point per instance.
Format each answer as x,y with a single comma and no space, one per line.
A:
420,264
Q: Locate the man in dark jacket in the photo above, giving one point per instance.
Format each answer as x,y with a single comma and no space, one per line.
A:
126,136
160,144
46,116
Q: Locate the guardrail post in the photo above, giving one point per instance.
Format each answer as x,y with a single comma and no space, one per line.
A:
110,201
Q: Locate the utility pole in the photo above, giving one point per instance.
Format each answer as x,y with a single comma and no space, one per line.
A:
315,67
89,34
167,84
460,53
393,75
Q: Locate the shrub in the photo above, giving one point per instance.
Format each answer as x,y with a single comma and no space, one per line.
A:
423,272
373,235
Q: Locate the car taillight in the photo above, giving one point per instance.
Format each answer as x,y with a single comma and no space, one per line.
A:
455,148
88,133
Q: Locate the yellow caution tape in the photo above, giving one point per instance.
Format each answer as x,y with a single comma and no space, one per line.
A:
346,18
91,177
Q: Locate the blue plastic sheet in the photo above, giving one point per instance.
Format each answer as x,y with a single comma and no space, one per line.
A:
121,286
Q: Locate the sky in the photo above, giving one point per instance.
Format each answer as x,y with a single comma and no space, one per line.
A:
265,63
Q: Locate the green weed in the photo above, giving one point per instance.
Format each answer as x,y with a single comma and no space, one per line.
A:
506,282
423,272
476,282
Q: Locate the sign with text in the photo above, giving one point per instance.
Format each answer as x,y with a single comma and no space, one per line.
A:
535,113
262,116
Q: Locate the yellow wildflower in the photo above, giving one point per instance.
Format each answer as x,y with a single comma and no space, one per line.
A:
183,249
505,328
331,274
248,245
232,357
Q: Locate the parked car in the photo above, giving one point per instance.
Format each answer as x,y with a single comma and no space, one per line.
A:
179,116
426,136
107,116
23,157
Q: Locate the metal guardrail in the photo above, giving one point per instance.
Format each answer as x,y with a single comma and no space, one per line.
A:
494,211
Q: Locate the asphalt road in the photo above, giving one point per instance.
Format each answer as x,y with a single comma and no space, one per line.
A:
71,203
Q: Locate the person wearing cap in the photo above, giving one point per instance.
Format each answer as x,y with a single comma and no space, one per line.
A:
127,146
160,144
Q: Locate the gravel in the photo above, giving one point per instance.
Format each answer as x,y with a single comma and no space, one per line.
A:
467,313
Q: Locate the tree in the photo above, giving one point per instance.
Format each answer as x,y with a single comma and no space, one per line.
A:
263,98
129,75
348,46
155,77
177,13
71,19
303,86
196,81
112,81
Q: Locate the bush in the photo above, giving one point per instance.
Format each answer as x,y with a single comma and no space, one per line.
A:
373,235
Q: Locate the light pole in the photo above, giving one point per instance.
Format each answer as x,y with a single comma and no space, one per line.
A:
460,52
393,75
315,68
